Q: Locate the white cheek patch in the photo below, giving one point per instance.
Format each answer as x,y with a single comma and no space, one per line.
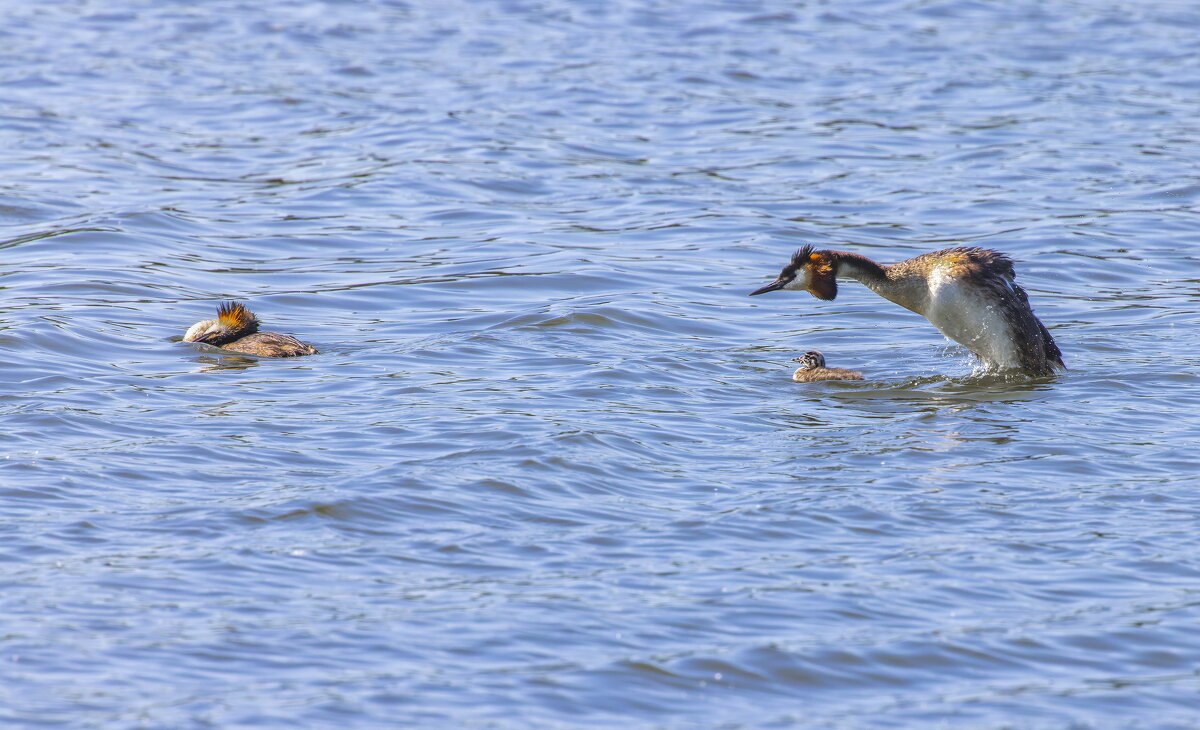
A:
799,282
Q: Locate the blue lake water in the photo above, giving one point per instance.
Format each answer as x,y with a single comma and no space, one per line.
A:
549,469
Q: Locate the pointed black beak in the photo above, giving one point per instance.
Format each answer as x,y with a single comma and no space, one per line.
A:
777,284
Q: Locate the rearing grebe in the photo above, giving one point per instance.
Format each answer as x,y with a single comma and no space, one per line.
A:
812,368
236,329
969,294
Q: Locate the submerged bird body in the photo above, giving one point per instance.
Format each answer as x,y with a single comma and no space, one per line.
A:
969,294
812,368
236,329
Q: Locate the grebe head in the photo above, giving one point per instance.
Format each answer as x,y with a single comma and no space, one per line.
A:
810,271
810,360
233,321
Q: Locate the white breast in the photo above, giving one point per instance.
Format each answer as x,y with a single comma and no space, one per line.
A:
967,315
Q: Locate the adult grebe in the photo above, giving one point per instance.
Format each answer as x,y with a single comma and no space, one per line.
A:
967,293
812,368
236,329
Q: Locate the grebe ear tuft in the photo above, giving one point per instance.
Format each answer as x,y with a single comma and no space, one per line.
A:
822,282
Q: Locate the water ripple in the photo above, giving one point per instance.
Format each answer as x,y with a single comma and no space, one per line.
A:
549,468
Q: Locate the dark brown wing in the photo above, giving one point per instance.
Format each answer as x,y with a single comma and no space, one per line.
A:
271,344
1037,351
1042,354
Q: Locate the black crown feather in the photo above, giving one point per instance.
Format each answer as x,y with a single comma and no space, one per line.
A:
799,259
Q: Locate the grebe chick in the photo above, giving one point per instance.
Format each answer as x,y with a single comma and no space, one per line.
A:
236,329
969,294
812,368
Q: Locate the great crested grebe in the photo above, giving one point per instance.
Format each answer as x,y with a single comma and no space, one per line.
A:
812,368
236,329
967,293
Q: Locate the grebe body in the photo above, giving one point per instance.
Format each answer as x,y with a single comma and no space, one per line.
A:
812,368
969,294
236,329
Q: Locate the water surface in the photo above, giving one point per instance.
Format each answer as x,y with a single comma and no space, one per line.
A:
549,469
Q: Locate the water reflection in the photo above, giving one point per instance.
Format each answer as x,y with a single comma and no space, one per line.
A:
226,362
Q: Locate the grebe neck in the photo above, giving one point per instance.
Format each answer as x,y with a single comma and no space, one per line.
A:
860,268
886,281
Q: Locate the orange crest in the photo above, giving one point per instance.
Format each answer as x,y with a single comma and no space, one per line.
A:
822,280
235,316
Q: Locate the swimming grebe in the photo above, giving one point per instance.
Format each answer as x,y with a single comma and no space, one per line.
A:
967,293
812,368
236,329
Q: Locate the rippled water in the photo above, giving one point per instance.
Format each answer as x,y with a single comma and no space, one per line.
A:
549,469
